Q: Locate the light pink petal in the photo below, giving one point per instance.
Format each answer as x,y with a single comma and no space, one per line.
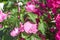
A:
14,32
21,27
27,26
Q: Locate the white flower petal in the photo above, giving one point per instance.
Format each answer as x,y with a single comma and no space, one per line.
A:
1,5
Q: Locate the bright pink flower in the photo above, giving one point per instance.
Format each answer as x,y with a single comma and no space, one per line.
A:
38,12
2,16
21,29
34,0
58,2
30,28
54,10
57,37
53,3
30,7
1,26
42,5
58,22
14,32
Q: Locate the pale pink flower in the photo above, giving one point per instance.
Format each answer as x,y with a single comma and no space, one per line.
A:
14,32
2,16
30,7
30,28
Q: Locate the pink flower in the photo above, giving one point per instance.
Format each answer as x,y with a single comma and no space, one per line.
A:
30,28
38,11
54,10
53,3
21,29
2,16
14,32
30,7
58,22
57,37
1,26
34,0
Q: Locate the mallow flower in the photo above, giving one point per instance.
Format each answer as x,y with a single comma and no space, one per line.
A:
57,37
30,7
30,27
58,22
53,3
2,16
14,32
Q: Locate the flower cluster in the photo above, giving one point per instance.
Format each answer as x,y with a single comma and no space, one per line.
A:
53,4
30,20
27,27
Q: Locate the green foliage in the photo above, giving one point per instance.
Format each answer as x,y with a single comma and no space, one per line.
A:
32,17
42,26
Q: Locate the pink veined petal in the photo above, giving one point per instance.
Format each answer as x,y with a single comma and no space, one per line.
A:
30,28
27,26
34,28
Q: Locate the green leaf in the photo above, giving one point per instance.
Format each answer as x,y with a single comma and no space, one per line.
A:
32,17
6,26
42,26
28,39
4,2
14,11
1,28
24,35
21,17
9,4
33,38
